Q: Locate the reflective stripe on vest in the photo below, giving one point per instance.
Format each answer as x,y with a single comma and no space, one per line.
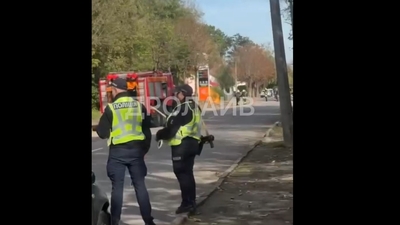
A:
192,129
127,121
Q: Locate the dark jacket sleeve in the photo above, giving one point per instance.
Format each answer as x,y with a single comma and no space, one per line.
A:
174,123
105,124
146,124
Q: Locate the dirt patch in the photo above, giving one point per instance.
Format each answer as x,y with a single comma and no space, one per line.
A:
258,191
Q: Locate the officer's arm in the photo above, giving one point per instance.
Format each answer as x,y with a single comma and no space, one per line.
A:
146,124
175,122
105,124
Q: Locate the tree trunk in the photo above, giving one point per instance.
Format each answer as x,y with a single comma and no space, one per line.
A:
257,91
250,91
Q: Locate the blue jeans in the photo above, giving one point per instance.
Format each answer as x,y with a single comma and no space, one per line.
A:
119,159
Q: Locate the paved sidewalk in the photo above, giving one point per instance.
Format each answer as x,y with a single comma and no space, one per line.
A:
259,191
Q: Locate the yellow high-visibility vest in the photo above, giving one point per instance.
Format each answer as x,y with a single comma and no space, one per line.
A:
127,121
192,129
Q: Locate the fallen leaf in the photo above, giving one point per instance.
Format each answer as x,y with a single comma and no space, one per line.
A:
240,194
197,220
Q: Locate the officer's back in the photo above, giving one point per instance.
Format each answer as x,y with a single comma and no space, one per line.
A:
126,125
136,146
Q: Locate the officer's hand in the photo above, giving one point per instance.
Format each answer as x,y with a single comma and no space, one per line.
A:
94,128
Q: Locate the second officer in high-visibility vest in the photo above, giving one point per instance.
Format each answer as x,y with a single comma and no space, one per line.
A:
182,132
126,125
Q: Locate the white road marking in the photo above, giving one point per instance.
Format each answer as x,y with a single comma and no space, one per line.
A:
97,149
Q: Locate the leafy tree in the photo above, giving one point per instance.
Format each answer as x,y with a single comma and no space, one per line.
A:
288,14
145,35
220,39
225,78
255,66
169,35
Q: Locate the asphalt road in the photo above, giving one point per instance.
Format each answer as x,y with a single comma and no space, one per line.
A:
233,133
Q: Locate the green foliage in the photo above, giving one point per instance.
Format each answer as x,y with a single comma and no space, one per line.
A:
168,35
95,95
218,90
288,15
240,41
221,39
137,35
225,79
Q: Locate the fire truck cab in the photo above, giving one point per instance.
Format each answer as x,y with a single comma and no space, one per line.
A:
149,88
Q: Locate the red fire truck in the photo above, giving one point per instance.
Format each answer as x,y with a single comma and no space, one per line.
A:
148,87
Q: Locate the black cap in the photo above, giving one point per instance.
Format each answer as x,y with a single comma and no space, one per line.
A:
119,83
185,89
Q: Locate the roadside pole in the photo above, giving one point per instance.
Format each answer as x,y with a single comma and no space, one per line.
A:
281,71
235,76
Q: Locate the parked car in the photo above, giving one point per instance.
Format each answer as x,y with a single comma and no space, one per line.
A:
100,204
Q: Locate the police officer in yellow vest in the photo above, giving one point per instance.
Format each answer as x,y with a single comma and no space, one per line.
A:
126,125
182,132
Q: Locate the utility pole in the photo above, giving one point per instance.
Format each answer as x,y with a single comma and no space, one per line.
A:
196,81
235,75
196,76
281,72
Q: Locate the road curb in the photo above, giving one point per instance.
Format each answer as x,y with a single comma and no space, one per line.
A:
182,218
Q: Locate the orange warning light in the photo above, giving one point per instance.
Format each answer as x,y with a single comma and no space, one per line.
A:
131,85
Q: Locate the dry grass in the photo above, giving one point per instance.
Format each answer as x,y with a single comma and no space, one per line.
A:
258,191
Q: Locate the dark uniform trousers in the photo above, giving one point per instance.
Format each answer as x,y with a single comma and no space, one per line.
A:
119,160
183,156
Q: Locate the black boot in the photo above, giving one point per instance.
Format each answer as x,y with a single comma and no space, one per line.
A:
191,209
